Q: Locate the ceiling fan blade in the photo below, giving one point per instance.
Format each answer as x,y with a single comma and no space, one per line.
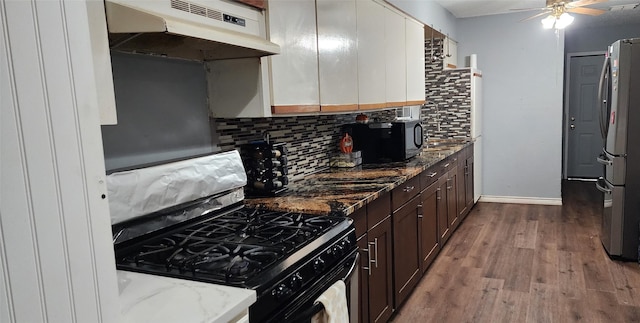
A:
535,16
586,11
529,9
582,3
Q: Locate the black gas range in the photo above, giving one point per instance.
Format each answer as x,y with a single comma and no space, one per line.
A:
289,259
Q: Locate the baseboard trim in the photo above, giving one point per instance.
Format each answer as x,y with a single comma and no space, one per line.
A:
521,200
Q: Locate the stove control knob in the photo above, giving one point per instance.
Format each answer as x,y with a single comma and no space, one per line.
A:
345,244
318,265
336,250
296,281
282,291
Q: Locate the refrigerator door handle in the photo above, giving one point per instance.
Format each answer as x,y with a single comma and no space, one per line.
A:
603,104
602,159
601,188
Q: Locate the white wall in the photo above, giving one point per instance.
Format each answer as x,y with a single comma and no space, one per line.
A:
522,67
431,14
56,253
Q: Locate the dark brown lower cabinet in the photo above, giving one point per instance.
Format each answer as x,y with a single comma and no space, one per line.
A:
380,264
461,197
443,221
468,180
363,280
452,198
428,225
406,249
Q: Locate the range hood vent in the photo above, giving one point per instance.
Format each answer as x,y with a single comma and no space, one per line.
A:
187,29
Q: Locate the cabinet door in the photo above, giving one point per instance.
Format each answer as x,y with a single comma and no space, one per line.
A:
371,55
380,283
363,279
461,199
443,221
294,72
406,252
452,198
415,62
468,181
396,65
429,246
337,54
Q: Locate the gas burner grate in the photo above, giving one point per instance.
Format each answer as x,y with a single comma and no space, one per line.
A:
231,248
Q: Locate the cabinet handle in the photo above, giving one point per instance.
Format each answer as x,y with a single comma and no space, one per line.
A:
433,174
420,215
449,188
375,251
408,189
446,165
368,251
438,197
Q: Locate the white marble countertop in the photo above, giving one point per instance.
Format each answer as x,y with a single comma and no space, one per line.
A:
151,298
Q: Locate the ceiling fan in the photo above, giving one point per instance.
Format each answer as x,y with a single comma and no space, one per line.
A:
557,11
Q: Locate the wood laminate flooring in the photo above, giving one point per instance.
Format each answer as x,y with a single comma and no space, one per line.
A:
528,263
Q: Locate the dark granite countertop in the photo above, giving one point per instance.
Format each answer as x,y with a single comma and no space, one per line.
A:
341,191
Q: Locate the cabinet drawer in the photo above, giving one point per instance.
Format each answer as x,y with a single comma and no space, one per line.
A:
360,221
403,193
378,210
447,164
429,176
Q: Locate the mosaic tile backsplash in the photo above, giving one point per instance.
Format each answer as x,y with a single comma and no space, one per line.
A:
311,140
447,113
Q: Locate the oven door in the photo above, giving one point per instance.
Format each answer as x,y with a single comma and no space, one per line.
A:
305,307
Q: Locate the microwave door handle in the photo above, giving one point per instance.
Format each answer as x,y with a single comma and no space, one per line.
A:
418,138
601,87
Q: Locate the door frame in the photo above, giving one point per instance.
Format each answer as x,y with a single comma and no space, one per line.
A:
565,114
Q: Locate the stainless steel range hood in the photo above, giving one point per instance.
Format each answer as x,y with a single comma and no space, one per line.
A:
194,29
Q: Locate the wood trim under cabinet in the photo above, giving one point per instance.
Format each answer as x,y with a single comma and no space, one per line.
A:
396,104
287,109
338,107
451,66
418,102
372,106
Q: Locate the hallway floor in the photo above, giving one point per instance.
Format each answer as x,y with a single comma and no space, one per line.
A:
528,263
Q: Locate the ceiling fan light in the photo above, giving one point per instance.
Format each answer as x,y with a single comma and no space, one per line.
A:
564,20
548,22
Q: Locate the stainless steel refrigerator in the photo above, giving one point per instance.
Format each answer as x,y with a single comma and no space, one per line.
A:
619,100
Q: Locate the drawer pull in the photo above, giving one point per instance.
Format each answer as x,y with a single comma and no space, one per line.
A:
432,174
446,165
368,251
408,189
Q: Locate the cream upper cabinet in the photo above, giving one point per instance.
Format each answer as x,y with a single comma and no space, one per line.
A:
371,55
337,55
396,60
415,62
294,72
450,50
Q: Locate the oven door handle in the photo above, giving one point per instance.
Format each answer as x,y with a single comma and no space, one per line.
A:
307,315
354,265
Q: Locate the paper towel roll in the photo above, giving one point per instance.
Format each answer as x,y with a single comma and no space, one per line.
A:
473,61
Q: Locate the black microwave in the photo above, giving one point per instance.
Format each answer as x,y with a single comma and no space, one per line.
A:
382,142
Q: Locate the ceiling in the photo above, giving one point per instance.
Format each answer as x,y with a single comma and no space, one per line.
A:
474,8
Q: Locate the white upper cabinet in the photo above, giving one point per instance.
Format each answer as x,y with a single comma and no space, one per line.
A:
294,72
396,60
450,50
415,62
371,55
337,55
102,63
